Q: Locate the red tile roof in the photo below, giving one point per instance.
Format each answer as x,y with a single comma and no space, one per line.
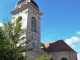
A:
59,45
43,48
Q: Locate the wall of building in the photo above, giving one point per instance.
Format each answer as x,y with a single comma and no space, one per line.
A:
37,42
27,15
35,53
70,55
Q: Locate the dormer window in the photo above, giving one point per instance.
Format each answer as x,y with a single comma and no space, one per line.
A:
33,25
20,6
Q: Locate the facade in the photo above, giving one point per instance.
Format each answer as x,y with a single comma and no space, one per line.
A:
59,50
30,13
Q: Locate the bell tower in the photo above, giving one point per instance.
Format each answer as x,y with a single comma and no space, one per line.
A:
30,13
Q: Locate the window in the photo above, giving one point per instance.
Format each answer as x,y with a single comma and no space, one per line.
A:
20,6
20,17
33,25
64,59
33,36
33,44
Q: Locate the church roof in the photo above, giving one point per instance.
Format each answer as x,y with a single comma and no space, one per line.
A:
25,1
59,45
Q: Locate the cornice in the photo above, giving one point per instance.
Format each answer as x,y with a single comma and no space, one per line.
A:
28,5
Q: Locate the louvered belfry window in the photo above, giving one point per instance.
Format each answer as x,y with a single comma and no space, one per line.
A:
33,25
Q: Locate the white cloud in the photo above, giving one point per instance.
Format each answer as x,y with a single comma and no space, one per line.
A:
73,46
1,24
72,40
78,32
78,55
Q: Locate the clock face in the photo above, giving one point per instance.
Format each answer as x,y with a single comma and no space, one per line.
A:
33,36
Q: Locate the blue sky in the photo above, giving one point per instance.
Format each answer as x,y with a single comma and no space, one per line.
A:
60,20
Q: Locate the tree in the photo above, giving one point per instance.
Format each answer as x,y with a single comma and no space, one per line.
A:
44,57
10,35
2,44
9,38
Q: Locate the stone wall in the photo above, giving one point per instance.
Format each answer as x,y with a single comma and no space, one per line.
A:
69,55
35,53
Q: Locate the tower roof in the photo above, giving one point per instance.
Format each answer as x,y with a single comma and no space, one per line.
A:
23,2
59,45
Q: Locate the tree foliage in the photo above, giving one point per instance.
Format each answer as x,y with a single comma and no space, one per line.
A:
10,35
44,57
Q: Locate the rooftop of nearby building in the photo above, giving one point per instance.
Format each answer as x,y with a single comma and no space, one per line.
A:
59,45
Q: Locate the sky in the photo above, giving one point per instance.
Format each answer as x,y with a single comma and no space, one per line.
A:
60,20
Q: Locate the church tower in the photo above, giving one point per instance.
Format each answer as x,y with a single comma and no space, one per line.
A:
30,13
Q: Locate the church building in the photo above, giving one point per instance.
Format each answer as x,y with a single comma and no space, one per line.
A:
30,13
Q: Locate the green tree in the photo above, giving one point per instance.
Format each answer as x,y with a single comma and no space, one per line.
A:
10,35
9,38
2,44
44,57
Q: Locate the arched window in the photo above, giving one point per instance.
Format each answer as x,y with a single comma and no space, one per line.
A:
33,36
64,59
20,17
51,59
33,25
33,44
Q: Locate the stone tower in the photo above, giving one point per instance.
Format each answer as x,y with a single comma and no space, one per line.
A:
30,13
